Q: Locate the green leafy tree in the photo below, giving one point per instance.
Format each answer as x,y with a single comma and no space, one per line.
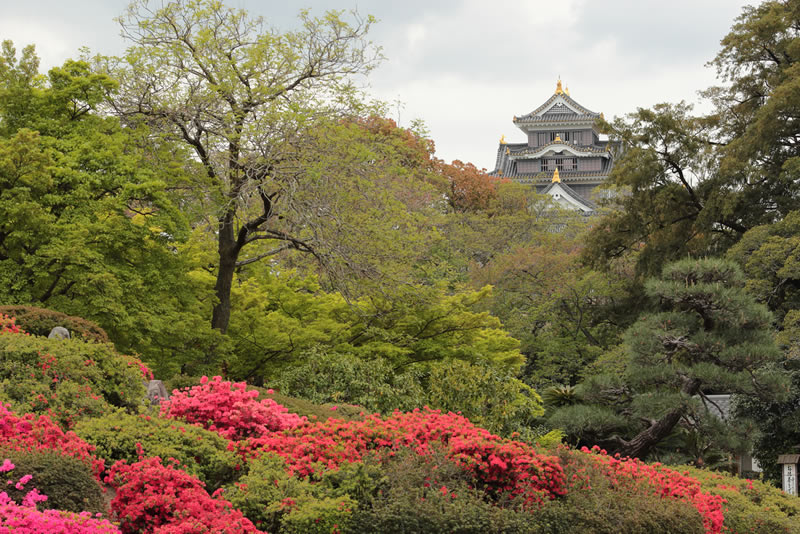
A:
87,222
281,320
770,258
708,336
243,97
694,185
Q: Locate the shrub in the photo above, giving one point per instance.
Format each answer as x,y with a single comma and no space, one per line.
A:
502,466
494,400
229,409
67,379
38,433
281,502
201,452
152,497
593,470
429,494
608,495
68,482
17,518
40,321
749,505
345,378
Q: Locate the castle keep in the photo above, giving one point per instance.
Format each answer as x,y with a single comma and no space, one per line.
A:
564,156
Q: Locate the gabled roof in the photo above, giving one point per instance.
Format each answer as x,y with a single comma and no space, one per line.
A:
558,108
559,190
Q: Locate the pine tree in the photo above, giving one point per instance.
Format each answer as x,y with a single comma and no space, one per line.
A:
706,336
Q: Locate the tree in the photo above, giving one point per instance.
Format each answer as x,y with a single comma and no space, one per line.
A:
708,335
694,185
282,320
563,313
469,188
87,222
244,98
770,258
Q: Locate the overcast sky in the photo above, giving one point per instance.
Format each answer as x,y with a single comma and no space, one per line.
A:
466,67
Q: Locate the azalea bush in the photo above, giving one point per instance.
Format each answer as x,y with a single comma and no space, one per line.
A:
30,432
750,505
623,476
534,476
40,321
67,481
228,408
200,452
153,497
67,379
21,515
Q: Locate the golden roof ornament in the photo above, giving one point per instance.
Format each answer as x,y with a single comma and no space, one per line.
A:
566,90
508,151
557,139
503,139
559,90
556,177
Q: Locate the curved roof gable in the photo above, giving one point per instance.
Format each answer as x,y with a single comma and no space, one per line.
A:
560,106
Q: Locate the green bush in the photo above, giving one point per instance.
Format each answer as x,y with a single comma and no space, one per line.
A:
281,503
489,398
603,506
67,379
430,494
68,482
40,321
348,379
751,506
202,453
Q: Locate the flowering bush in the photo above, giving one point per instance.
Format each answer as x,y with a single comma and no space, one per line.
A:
229,409
200,452
8,325
25,518
749,505
68,482
152,497
655,479
40,321
67,379
501,466
33,433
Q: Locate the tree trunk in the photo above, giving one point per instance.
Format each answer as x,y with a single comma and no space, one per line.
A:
644,441
228,254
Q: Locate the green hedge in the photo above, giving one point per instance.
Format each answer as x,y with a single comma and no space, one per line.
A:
68,482
40,321
202,453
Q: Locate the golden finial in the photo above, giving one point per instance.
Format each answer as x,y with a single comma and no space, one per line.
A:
566,90
557,139
503,139
559,90
508,151
556,177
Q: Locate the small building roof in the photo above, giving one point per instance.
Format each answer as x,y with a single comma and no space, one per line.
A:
564,194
